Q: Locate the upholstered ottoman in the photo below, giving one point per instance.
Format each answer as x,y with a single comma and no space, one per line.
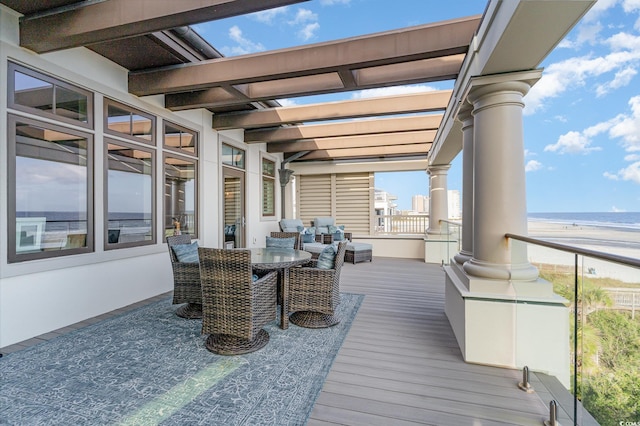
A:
358,252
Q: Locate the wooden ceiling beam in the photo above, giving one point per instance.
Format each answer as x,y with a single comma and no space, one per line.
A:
400,104
387,48
379,152
349,128
117,19
360,141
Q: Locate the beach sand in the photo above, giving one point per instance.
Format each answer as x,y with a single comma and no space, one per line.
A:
617,241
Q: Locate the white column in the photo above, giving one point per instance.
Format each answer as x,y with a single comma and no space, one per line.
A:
438,203
466,249
500,311
499,193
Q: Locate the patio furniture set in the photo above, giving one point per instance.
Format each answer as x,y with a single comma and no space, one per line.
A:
235,291
321,235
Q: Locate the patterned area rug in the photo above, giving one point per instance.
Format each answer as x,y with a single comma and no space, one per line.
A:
151,367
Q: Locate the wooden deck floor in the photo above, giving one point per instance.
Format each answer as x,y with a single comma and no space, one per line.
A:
400,363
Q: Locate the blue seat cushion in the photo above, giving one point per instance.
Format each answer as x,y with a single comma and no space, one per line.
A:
281,242
322,224
290,225
186,253
327,257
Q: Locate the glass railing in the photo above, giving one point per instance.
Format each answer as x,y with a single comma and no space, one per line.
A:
453,231
602,293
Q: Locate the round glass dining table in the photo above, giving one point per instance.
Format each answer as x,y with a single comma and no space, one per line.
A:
280,259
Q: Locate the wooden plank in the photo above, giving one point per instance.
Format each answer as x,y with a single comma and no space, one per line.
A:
401,363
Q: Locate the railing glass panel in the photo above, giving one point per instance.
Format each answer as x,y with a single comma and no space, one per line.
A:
602,293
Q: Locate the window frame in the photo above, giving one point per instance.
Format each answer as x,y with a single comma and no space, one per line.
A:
154,227
272,178
12,255
184,130
196,201
234,149
132,110
14,67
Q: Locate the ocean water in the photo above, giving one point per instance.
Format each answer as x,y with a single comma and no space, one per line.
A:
623,220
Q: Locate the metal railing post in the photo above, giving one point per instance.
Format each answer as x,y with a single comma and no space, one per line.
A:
524,384
553,414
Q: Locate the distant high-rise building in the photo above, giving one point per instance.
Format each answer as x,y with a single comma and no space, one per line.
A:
420,203
453,197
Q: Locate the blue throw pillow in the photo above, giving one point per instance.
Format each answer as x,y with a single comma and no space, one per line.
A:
255,277
186,253
337,232
327,257
281,242
308,238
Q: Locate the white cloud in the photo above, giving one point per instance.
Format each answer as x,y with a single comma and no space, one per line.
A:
532,166
572,143
621,79
632,157
390,91
630,173
627,127
308,23
332,2
598,9
614,209
631,5
244,45
309,31
268,16
624,59
611,176
528,153
303,16
623,41
287,102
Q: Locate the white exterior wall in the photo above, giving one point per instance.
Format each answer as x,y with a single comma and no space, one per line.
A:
43,295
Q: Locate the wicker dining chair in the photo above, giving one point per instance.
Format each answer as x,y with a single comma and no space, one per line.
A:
314,293
234,307
186,281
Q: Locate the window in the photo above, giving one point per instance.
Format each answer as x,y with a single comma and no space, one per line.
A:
180,184
38,93
130,195
50,205
232,156
181,139
123,120
268,187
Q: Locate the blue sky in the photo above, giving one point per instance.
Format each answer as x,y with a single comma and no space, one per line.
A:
581,120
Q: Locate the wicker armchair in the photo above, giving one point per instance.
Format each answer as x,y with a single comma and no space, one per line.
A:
235,308
186,281
314,293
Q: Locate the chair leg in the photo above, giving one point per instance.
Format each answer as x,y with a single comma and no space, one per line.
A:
224,344
190,311
310,319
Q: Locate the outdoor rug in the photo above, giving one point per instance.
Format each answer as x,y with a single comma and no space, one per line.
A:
149,367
